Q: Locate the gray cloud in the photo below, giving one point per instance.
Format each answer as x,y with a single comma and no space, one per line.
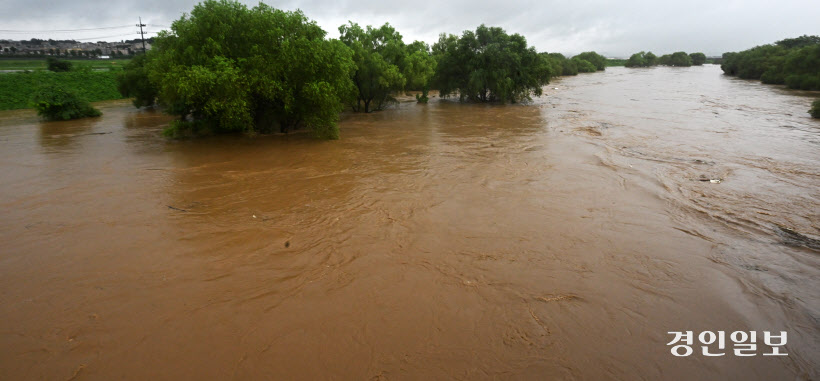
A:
612,28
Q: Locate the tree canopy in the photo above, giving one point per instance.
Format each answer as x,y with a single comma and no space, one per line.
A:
134,82
598,61
560,65
419,69
676,59
232,68
794,62
55,102
642,59
377,54
698,59
489,65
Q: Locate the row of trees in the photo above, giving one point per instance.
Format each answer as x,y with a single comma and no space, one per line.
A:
794,62
226,67
647,59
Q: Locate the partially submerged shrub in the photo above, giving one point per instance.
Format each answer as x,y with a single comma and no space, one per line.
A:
56,103
815,109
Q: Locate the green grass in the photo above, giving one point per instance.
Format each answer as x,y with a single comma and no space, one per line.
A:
40,64
17,89
615,62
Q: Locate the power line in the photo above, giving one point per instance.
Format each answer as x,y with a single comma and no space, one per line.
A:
99,38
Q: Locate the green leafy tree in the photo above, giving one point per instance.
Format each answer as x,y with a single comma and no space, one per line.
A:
134,82
642,59
57,65
231,68
419,68
676,59
698,59
560,65
53,102
794,62
799,42
378,54
801,68
598,61
490,65
584,66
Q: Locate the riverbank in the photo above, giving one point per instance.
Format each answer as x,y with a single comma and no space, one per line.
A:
17,89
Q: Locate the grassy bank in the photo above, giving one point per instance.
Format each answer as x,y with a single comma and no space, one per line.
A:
40,64
16,89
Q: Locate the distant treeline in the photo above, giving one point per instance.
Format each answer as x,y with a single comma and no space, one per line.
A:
794,62
225,67
647,59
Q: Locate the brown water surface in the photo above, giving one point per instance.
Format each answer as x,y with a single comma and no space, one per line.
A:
561,239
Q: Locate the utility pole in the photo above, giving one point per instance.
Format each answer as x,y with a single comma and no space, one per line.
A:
142,35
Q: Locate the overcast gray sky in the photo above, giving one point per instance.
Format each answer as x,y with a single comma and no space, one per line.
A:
613,28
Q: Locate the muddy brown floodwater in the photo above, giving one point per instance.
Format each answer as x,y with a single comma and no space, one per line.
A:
561,239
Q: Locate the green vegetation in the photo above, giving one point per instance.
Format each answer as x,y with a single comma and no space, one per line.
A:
17,89
134,82
57,66
642,59
560,65
794,62
676,59
231,68
53,102
815,109
598,61
226,67
698,59
377,54
489,65
584,66
611,62
77,64
419,69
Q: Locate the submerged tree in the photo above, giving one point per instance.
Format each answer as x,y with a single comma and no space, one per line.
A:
377,54
559,64
231,68
54,102
794,62
597,60
642,59
134,82
419,69
489,65
676,59
698,59
584,66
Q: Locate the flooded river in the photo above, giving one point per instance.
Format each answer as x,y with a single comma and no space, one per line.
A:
561,239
